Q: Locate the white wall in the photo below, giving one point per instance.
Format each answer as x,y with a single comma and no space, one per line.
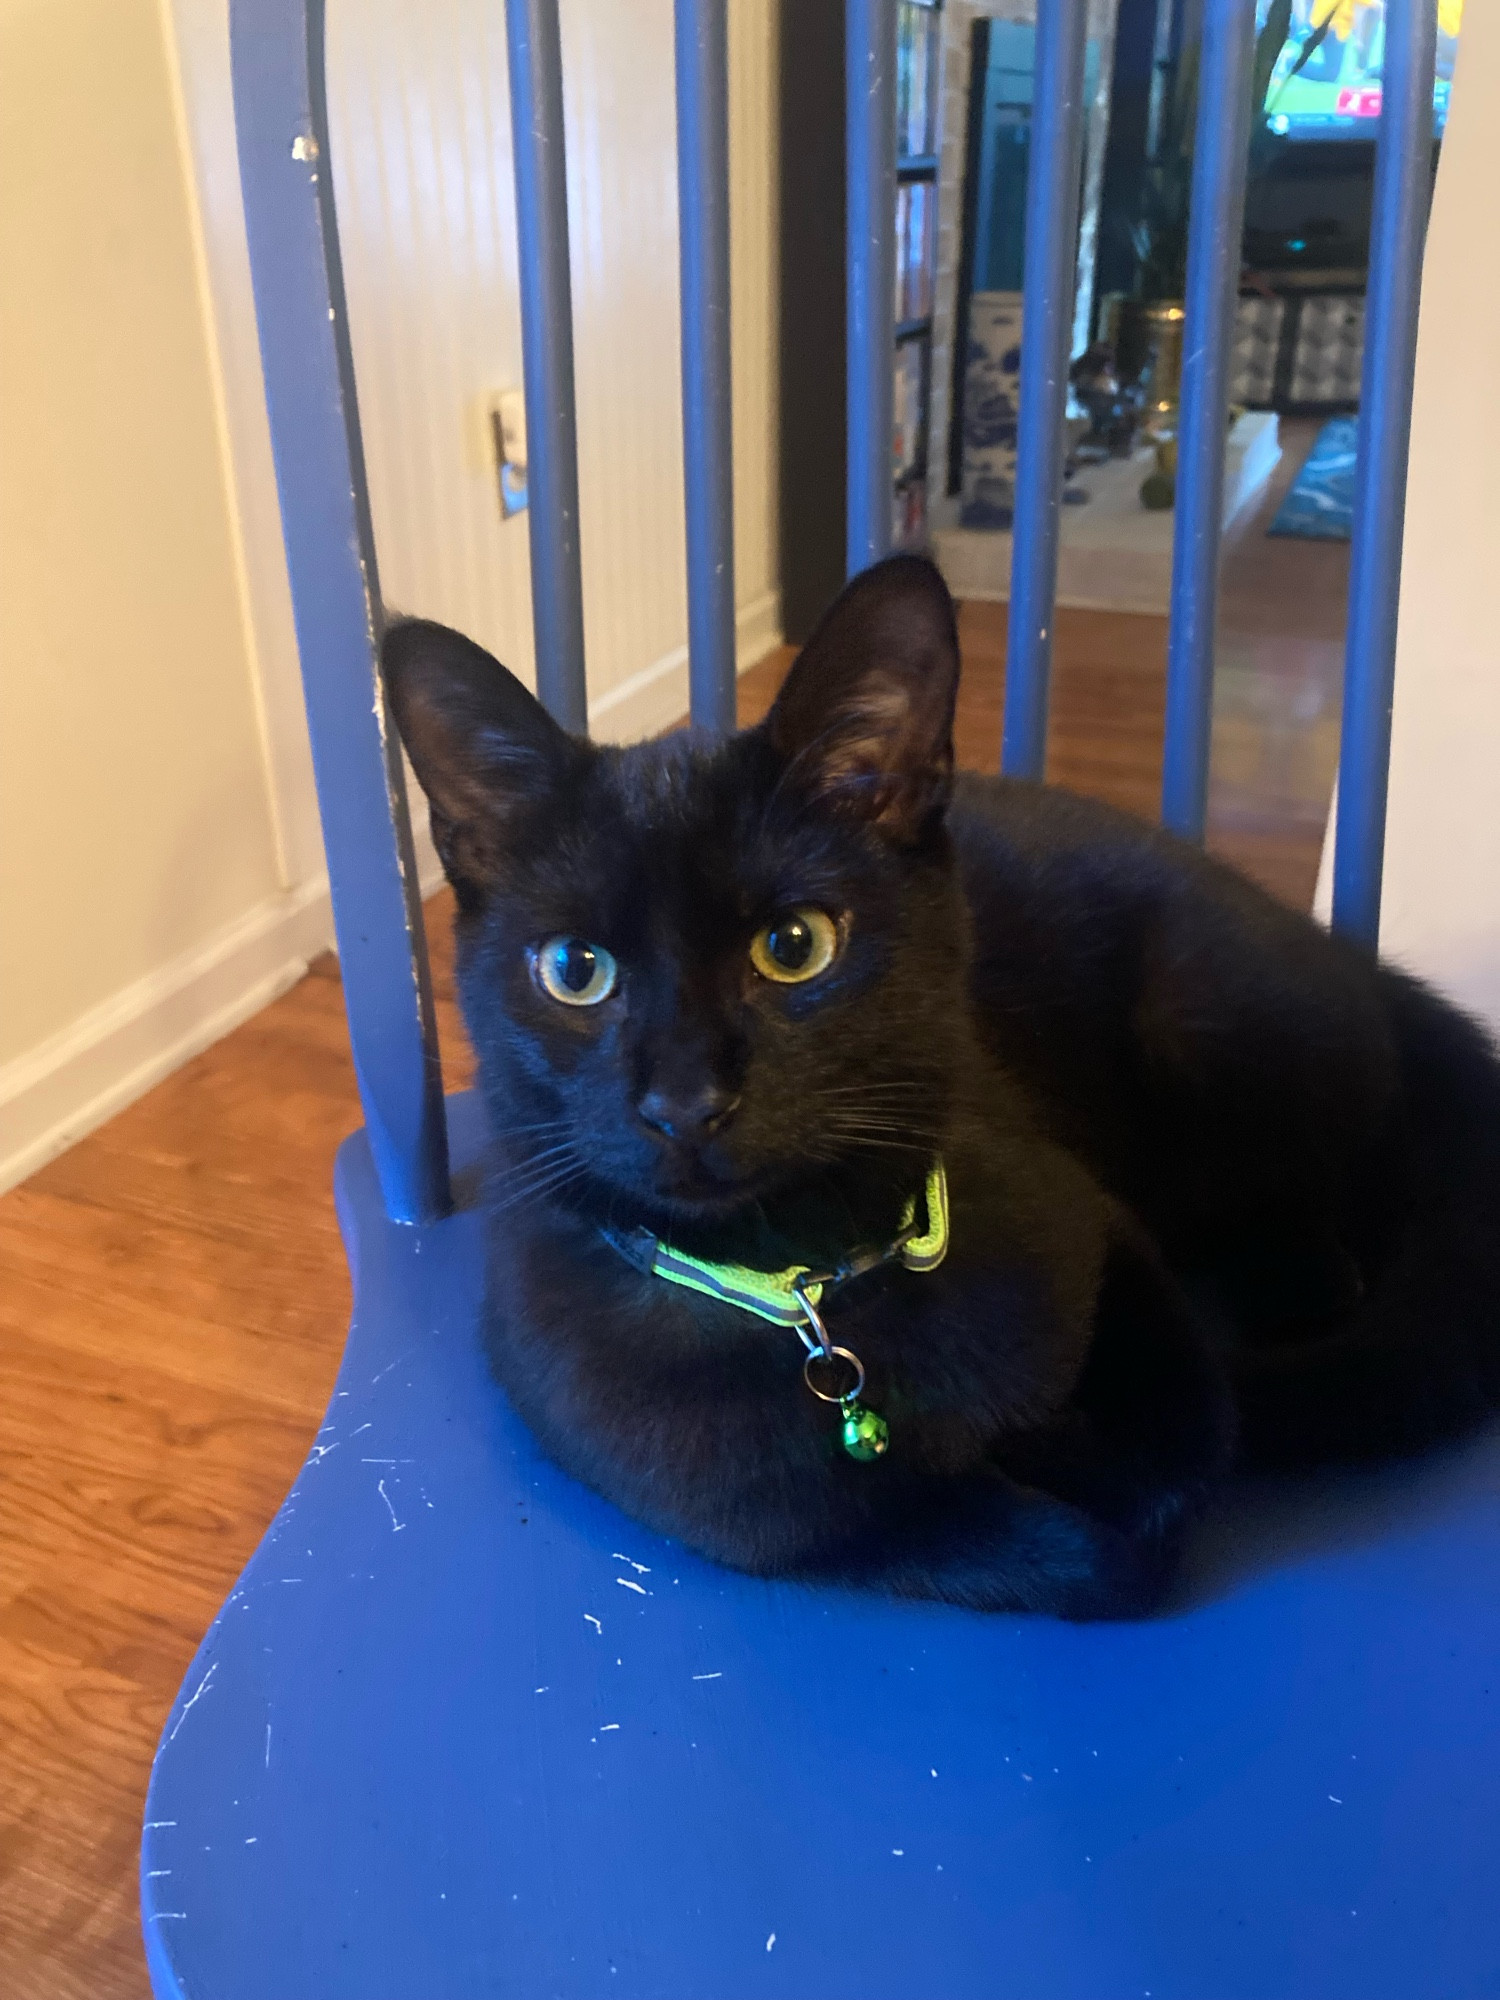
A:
145,900
420,120
161,869
1441,912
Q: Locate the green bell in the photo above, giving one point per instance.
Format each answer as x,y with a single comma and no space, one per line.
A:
866,1435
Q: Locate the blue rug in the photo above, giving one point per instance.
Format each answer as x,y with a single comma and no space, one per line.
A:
1320,505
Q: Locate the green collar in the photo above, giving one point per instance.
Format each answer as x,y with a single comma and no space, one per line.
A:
792,1297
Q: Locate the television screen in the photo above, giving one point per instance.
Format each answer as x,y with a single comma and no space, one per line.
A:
1340,44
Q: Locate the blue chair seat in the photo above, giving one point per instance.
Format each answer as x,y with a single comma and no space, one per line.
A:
463,1730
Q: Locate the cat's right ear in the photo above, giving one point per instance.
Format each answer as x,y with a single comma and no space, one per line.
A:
484,748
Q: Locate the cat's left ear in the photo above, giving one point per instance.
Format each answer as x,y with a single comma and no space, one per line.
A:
866,714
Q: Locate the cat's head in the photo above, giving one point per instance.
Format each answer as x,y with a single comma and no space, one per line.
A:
696,971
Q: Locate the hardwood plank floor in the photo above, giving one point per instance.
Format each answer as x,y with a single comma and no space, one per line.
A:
175,1294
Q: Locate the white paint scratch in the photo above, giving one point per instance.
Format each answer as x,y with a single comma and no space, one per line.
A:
541,1690
160,1916
1333,1801
153,1824
360,1427
770,1940
719,1677
898,1850
387,1461
198,1692
606,1727
320,1451
251,1839
396,1526
629,1583
590,1619
268,1746
153,1873
641,1569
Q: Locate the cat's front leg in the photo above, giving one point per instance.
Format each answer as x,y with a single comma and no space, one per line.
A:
1149,1426
1084,1517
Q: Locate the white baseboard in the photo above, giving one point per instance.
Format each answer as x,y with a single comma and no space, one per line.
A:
657,697
68,1085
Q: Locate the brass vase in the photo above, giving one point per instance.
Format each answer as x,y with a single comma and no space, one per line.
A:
1162,379
1146,335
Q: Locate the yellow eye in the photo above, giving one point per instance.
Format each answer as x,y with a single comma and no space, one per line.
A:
577,973
795,947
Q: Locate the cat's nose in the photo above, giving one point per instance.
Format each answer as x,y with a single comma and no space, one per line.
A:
689,1115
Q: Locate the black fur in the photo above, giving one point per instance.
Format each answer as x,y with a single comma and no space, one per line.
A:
1224,1193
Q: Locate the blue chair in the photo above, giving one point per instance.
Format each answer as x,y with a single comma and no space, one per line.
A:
463,1730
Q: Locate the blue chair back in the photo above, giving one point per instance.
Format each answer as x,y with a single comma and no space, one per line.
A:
280,108
407,1760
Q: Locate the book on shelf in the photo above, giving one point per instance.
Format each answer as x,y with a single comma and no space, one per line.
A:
918,84
916,218
909,515
909,405
917,57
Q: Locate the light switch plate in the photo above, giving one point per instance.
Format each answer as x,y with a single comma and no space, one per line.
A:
507,415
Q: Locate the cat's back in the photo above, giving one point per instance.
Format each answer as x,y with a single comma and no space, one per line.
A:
1065,884
1121,972
1039,842
1070,896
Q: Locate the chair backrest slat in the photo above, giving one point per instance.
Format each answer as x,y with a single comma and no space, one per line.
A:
707,431
534,44
1049,277
1398,233
1221,144
870,274
277,57
282,128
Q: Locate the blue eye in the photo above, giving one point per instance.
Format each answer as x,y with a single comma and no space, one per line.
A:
577,973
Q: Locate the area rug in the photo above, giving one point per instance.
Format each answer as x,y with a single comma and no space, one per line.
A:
1320,505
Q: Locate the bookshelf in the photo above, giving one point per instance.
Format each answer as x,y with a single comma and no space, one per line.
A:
918,92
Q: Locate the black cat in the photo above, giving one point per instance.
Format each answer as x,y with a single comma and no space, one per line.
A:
1220,1191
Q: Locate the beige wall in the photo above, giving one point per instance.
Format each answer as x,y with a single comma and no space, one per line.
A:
1440,912
134,822
133,813
1442,885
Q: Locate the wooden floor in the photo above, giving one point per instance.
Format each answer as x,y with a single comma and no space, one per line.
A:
175,1297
